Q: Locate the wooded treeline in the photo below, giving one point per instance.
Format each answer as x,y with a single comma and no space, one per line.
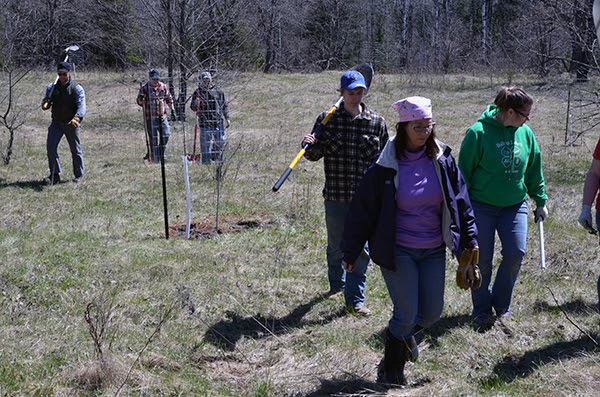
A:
539,36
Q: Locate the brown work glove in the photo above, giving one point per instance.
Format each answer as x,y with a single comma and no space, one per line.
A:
74,123
468,274
46,104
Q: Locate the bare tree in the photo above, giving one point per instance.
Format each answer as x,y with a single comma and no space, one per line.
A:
274,36
11,117
582,38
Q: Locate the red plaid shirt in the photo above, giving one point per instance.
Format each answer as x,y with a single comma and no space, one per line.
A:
159,96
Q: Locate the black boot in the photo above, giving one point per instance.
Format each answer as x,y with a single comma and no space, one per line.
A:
413,348
394,358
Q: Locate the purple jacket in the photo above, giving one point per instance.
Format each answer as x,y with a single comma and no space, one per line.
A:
372,213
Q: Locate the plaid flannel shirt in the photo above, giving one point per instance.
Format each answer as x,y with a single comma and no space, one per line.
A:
160,97
348,147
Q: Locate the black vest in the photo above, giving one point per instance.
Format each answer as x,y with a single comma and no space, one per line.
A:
64,101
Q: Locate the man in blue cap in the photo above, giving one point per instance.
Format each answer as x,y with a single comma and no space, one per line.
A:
348,144
67,100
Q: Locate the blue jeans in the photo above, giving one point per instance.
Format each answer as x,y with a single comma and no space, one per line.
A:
56,130
416,288
214,137
353,283
511,225
154,139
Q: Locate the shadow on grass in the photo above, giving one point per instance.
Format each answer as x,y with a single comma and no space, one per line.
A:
577,306
349,386
352,385
33,185
512,367
226,333
432,334
439,329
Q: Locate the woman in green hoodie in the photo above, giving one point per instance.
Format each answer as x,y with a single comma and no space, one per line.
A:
502,165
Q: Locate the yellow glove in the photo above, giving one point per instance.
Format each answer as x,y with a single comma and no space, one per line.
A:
46,104
468,274
74,123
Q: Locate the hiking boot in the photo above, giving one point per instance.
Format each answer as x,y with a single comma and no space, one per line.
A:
394,359
504,322
361,310
412,349
51,180
334,292
483,323
148,159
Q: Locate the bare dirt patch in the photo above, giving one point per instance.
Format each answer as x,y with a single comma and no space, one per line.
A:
207,227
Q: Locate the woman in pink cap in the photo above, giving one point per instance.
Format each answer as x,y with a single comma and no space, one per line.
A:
411,204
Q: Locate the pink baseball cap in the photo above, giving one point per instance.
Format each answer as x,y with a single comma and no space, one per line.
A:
413,108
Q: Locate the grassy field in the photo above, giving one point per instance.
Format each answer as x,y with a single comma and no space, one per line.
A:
95,301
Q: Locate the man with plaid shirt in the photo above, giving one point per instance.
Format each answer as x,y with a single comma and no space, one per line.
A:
349,144
154,97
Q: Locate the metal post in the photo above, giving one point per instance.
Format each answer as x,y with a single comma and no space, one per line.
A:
161,152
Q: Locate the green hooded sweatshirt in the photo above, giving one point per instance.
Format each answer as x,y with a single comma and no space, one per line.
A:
501,165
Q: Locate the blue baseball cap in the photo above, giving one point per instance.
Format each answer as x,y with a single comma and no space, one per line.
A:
63,67
154,74
352,79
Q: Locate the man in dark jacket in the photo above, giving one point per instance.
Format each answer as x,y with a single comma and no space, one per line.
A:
210,105
67,100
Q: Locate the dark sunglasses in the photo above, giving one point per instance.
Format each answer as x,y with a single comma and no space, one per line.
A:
62,74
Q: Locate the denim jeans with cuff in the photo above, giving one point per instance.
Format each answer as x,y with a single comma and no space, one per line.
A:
511,225
416,288
212,141
56,130
353,283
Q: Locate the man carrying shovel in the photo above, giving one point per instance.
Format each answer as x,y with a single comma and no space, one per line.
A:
67,100
155,97
348,144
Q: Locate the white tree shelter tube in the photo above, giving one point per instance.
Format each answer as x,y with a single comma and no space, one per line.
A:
187,194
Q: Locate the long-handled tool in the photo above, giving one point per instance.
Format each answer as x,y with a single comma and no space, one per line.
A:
367,71
68,50
596,17
144,115
542,251
195,157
